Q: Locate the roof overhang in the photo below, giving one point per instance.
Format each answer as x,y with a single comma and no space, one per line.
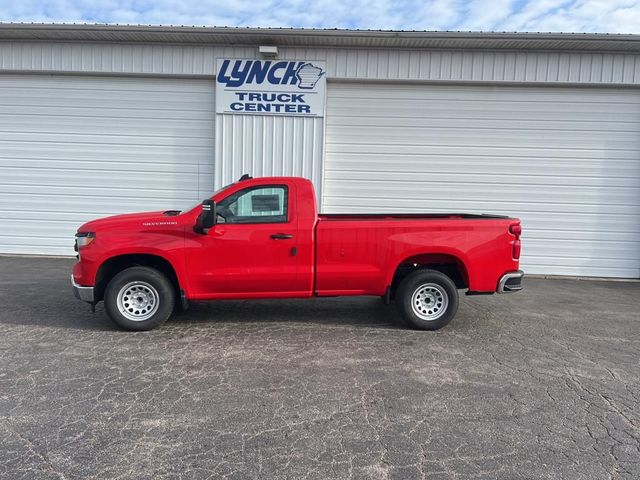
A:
318,37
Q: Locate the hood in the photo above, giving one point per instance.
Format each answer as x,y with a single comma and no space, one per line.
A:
134,220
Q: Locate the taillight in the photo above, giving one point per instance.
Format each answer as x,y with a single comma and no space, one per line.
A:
516,229
516,249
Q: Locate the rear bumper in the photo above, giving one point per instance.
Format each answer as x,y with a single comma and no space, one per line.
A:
82,293
511,282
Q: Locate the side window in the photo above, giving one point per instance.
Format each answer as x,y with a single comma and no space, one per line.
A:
255,205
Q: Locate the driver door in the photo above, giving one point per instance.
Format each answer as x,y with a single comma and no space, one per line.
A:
251,251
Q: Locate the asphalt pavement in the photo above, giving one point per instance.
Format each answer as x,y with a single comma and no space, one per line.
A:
541,384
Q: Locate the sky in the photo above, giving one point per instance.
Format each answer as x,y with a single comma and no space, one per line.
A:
602,16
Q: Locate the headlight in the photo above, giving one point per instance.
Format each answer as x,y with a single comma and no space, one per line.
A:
83,239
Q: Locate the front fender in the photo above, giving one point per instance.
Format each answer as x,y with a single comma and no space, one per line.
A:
106,246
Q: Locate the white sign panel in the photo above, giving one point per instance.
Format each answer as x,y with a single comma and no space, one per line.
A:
270,87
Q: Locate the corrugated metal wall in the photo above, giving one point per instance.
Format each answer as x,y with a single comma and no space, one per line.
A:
275,145
260,145
342,63
263,145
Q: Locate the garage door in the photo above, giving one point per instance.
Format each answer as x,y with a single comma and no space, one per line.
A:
564,160
74,148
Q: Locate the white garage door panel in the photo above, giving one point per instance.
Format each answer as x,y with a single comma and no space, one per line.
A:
497,153
54,91
67,203
506,138
45,177
514,179
98,140
556,169
74,148
60,155
556,129
592,197
108,165
564,160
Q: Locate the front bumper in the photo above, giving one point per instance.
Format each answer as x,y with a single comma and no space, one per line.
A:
510,282
82,293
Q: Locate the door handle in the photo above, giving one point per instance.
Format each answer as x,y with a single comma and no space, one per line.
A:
281,236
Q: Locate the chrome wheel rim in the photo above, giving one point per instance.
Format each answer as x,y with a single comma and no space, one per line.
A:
429,301
138,301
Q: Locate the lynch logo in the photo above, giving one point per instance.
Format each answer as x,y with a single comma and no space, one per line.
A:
270,87
235,73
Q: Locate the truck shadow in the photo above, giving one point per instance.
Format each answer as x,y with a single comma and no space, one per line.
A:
369,312
56,307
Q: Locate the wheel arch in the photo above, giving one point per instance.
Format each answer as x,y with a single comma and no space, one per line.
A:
447,263
116,264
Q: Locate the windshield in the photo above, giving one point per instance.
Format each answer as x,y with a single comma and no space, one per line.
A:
214,194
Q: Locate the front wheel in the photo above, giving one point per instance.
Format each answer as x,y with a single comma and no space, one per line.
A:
139,298
427,299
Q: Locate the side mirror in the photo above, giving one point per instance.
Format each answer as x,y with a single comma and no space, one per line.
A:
207,218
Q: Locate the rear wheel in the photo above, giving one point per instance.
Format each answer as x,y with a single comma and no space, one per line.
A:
139,298
427,299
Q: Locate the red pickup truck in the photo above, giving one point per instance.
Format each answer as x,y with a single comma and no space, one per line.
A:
264,238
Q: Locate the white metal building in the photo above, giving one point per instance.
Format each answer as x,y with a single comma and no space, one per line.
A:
98,120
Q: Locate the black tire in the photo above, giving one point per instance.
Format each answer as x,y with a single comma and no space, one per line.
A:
155,302
439,299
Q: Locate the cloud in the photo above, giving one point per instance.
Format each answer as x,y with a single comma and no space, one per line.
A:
478,16
614,16
605,16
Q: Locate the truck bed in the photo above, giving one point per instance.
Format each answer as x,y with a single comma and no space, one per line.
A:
354,251
407,216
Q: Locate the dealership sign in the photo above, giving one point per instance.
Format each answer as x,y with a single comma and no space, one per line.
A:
270,87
